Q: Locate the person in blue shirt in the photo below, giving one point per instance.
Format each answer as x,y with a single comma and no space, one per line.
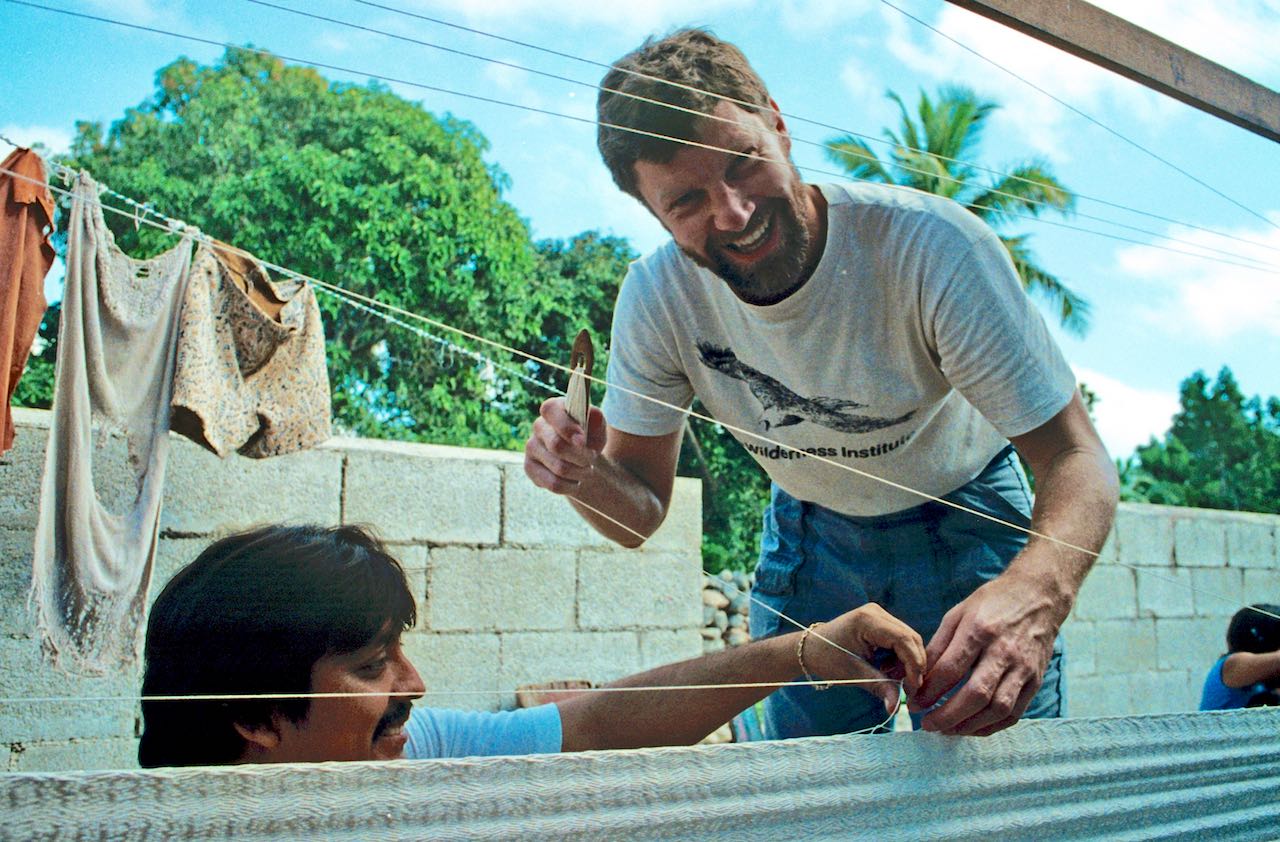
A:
1249,674
295,633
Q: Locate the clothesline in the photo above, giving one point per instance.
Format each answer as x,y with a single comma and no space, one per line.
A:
176,225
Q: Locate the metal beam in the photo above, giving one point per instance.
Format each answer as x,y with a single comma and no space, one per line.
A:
1084,30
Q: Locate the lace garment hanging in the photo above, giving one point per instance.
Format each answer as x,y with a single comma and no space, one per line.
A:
116,352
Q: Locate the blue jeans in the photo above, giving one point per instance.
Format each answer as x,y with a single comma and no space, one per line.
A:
816,564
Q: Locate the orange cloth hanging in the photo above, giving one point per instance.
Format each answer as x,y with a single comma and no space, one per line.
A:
26,220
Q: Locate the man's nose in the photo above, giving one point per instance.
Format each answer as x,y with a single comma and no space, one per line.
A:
732,208
408,681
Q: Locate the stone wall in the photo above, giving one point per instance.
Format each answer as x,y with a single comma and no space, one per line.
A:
512,586
1152,616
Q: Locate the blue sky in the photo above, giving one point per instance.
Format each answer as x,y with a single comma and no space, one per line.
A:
1158,315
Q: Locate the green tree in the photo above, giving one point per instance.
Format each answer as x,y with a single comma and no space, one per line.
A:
1222,451
930,153
353,185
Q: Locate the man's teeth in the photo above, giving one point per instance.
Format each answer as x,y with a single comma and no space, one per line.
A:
753,241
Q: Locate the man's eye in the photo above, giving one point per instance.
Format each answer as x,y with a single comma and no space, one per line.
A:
372,669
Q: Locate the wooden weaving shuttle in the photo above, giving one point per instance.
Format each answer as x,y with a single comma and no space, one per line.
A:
577,397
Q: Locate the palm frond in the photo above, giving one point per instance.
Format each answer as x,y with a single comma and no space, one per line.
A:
857,160
1073,310
1029,188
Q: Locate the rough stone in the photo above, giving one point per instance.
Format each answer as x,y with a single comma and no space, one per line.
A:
714,599
641,589
1185,642
545,656
84,715
681,532
1099,695
722,620
15,581
1199,541
1261,586
664,646
1161,692
534,517
21,469
459,662
737,637
424,498
709,632
1081,639
77,755
205,495
709,646
1165,593
1123,644
500,589
1144,534
1108,593
1217,591
1252,543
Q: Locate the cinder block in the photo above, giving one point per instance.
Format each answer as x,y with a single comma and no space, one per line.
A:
408,497
638,590
666,646
1110,552
682,530
1144,534
1190,643
501,589
547,656
77,755
1081,639
205,495
172,555
1125,646
1200,541
15,582
1108,593
460,670
415,561
1217,591
1252,543
1099,695
1160,692
21,469
87,707
1164,593
534,517
1261,586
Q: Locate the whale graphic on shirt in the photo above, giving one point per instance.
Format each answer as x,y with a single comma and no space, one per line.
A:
784,408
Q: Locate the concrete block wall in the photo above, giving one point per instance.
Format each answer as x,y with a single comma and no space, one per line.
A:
1152,616
512,586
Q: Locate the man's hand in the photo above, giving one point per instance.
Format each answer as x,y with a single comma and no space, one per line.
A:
1004,633
559,454
862,631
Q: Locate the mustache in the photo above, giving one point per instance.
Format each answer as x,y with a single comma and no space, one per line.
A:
397,714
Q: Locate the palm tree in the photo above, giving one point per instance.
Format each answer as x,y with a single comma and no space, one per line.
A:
931,152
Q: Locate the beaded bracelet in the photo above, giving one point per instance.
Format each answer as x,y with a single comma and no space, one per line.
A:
800,657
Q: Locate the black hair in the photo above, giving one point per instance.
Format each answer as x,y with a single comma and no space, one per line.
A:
252,615
1253,631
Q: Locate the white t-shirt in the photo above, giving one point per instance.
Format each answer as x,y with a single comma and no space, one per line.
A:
912,353
438,732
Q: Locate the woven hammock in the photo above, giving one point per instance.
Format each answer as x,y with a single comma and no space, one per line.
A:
1191,776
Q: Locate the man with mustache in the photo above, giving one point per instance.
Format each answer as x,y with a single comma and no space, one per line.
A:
824,305
283,644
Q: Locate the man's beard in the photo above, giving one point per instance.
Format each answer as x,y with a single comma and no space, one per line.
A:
777,276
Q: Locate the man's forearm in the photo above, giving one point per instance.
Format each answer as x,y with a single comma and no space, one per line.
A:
624,498
1075,504
633,719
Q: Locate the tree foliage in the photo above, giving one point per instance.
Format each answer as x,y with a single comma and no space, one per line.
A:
1222,451
932,151
356,186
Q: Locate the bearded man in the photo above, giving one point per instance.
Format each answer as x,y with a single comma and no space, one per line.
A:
864,327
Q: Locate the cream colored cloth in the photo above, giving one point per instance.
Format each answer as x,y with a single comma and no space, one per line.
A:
26,219
251,373
116,348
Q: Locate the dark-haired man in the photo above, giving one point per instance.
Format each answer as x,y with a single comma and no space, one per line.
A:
296,632
866,327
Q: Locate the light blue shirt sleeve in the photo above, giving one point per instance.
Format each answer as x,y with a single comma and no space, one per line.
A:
438,732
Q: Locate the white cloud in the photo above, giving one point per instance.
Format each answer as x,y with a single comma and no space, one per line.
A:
820,17
1210,298
54,139
1127,416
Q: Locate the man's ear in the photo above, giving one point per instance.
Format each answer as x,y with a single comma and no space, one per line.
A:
779,126
260,738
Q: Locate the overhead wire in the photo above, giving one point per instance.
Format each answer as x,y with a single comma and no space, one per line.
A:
1252,265
735,101
826,146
